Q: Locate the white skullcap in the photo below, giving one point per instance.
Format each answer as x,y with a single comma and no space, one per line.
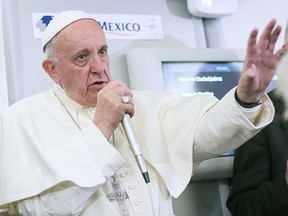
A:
60,21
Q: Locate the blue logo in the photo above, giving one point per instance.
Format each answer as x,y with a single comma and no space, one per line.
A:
43,22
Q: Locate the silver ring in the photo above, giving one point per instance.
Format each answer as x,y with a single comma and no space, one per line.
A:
125,99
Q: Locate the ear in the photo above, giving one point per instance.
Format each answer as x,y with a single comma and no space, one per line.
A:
49,67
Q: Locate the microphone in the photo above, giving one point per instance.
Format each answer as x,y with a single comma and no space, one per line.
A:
134,144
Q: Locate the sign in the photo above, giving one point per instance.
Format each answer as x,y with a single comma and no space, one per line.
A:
115,26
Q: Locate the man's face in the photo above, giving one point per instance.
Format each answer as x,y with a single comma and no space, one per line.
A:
81,61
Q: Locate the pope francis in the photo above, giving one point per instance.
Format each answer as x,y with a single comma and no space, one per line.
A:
64,151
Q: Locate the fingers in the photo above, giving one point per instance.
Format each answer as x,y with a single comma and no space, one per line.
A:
280,53
115,90
128,100
260,61
269,35
115,98
267,39
253,37
252,41
274,37
113,101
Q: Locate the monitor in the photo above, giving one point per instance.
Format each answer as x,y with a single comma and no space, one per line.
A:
198,77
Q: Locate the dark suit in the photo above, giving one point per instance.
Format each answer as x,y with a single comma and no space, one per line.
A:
259,187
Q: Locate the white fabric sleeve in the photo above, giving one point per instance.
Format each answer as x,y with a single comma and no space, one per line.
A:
227,120
66,202
68,199
250,113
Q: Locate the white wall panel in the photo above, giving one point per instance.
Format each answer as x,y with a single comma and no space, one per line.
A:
3,79
250,14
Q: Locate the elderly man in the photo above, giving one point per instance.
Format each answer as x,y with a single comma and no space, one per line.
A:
64,151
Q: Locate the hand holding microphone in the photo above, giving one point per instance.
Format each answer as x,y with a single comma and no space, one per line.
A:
108,106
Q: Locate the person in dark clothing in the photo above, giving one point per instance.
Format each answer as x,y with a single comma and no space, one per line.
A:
259,183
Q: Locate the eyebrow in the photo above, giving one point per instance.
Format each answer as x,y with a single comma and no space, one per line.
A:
104,47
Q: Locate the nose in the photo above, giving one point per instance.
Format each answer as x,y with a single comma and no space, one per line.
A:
97,64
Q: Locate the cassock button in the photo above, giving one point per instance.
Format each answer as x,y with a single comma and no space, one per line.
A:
123,174
137,203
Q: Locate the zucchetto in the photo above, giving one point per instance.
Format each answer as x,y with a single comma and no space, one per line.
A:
60,21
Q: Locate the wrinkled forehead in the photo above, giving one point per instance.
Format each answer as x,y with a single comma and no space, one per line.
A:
61,21
84,34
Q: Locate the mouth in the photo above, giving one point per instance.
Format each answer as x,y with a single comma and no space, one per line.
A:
98,85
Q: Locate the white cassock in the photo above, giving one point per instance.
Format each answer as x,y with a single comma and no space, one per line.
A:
58,169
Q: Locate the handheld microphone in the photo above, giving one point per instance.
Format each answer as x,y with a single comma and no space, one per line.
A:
134,144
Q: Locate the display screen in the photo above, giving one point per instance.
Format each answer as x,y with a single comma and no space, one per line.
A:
195,78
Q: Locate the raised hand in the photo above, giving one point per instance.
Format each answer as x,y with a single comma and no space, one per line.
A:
260,63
